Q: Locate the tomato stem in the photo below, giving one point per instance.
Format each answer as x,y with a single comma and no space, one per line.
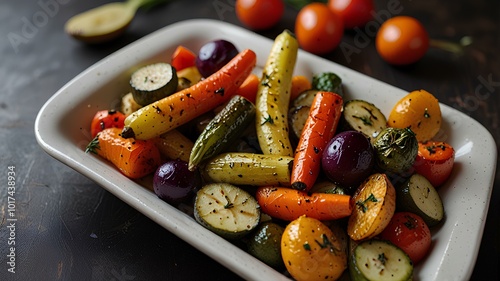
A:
452,47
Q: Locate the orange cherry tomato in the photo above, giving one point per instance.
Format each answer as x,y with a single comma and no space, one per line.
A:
409,232
354,13
434,161
318,29
104,119
402,40
312,251
420,111
259,14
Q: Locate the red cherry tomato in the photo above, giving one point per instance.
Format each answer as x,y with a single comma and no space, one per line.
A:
435,161
409,232
259,14
182,58
106,119
402,40
318,29
354,13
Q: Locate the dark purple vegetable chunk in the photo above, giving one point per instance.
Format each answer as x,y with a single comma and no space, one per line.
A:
174,183
348,158
214,55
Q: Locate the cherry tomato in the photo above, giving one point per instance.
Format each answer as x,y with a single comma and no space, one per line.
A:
409,232
259,14
435,161
313,251
420,111
402,40
106,119
354,13
318,29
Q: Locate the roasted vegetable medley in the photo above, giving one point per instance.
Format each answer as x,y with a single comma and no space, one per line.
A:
311,182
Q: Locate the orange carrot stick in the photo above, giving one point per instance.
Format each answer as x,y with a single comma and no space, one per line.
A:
170,112
319,128
299,84
249,87
134,158
288,204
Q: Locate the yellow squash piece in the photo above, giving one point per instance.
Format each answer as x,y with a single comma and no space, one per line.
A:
174,145
273,96
374,205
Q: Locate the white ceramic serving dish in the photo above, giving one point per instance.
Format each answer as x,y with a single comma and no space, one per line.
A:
62,124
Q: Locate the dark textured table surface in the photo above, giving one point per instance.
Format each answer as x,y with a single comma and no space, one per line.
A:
69,228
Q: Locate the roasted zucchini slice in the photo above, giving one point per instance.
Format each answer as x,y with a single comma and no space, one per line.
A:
227,210
378,260
153,82
364,117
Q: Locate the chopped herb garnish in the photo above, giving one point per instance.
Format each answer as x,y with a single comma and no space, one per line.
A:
432,148
307,247
268,119
327,244
362,204
93,145
265,81
410,222
382,258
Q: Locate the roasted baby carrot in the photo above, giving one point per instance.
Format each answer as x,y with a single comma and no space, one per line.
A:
319,128
289,204
249,87
134,158
170,112
300,84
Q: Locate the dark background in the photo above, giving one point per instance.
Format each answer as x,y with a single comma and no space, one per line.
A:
69,228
